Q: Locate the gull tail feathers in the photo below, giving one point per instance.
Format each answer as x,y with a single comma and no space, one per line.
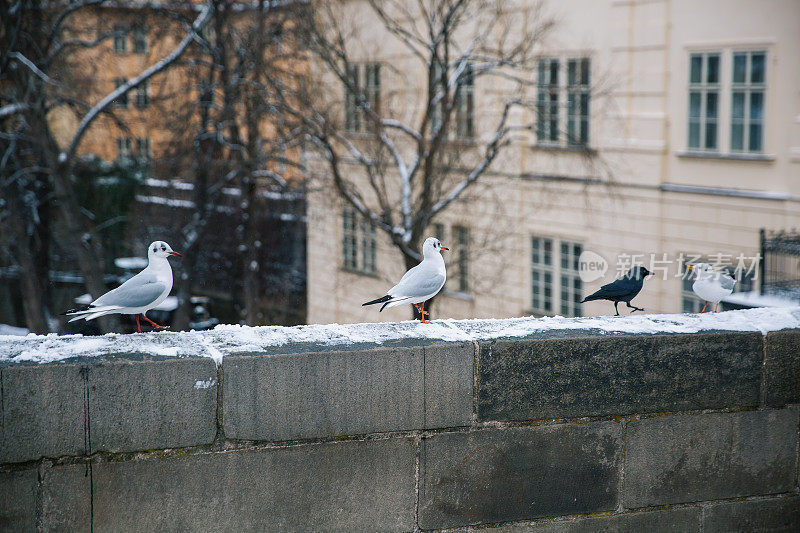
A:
91,313
387,301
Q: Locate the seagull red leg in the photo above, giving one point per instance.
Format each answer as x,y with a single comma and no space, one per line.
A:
704,308
157,326
138,327
423,313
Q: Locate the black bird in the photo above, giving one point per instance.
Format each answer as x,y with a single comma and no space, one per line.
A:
622,290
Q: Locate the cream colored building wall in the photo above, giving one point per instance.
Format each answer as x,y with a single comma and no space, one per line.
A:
640,54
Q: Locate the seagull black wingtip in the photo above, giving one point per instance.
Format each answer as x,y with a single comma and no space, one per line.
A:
378,301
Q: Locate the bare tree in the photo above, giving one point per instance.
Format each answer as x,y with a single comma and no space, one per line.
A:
416,166
41,42
238,139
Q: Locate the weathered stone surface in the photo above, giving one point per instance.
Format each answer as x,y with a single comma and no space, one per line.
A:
537,379
18,501
344,486
782,368
666,521
690,458
43,412
775,515
67,498
148,405
331,393
518,473
108,404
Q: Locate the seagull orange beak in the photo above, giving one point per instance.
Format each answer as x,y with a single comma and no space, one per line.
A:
175,254
690,267
445,248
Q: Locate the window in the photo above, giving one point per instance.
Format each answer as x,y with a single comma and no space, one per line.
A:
571,288
124,148
555,270
547,101
461,252
122,100
556,88
120,39
143,95
362,91
703,100
578,102
139,39
359,247
143,149
465,105
747,101
542,274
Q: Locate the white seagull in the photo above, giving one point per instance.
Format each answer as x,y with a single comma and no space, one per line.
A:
421,283
710,285
139,294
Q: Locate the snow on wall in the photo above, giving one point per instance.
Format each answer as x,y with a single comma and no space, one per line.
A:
232,339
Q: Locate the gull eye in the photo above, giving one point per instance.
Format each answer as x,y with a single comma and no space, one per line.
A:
163,249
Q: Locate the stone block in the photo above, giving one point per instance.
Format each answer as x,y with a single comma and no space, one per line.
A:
18,500
775,515
342,486
495,475
535,379
666,521
782,368
333,393
687,458
106,404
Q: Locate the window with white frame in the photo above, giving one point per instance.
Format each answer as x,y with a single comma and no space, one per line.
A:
120,39
571,286
359,246
461,253
124,148
747,101
559,83
578,93
143,151
542,274
465,105
703,100
122,100
143,95
364,82
139,39
547,101
555,273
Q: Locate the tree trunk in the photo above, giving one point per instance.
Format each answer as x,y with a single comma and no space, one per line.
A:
33,294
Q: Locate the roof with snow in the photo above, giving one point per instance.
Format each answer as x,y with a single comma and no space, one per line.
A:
226,340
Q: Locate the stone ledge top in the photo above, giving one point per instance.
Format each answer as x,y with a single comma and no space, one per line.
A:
231,340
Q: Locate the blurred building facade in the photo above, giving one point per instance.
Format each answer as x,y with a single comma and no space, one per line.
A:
668,131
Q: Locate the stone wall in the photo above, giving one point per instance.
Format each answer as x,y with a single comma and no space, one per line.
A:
557,431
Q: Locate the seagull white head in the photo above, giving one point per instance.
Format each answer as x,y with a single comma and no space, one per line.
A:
432,246
160,249
704,270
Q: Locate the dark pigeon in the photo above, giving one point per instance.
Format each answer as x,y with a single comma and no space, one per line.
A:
622,290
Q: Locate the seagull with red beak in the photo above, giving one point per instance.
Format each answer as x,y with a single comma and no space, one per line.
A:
142,292
419,284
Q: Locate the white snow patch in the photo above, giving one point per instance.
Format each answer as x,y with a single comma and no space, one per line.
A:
232,339
205,384
6,329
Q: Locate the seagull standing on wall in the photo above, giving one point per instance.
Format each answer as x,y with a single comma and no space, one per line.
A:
710,285
419,284
139,294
